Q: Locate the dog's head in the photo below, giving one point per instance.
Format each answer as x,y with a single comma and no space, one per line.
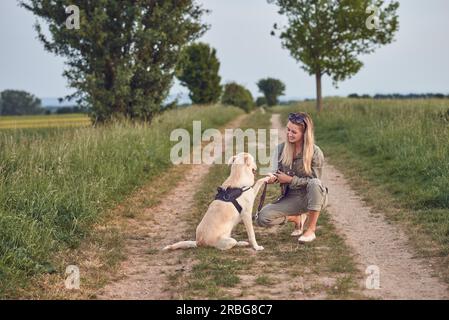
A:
245,161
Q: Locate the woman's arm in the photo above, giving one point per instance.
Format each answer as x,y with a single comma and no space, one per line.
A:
317,169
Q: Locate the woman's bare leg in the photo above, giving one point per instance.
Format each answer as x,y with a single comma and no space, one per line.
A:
313,218
296,220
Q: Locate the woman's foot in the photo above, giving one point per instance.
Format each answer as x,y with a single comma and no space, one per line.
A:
308,236
299,222
297,232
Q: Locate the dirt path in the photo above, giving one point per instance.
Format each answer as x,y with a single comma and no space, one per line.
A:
376,242
144,274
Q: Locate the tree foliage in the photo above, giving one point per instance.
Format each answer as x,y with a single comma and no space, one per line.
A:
272,89
328,35
198,69
237,95
17,103
261,101
122,58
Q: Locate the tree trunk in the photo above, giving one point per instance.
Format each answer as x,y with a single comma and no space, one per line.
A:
319,99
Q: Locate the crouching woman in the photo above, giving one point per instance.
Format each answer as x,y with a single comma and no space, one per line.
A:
299,170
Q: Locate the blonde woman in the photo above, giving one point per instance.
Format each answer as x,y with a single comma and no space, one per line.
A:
299,169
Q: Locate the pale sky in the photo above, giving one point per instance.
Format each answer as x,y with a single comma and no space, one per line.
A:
417,62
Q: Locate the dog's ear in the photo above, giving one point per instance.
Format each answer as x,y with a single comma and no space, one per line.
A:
231,160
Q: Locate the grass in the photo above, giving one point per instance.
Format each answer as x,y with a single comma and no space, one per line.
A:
284,270
397,156
55,184
44,121
104,248
264,280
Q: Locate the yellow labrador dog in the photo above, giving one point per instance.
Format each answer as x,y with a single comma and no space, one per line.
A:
221,217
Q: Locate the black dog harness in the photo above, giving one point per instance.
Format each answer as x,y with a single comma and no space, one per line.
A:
231,195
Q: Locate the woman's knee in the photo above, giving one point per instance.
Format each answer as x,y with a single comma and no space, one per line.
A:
268,218
315,186
314,183
262,219
316,194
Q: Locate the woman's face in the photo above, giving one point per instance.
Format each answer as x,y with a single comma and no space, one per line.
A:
294,132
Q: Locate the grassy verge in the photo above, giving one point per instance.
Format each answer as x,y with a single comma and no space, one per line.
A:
284,270
101,252
396,154
44,121
55,184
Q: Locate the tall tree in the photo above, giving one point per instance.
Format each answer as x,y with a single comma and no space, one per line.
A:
272,89
17,103
121,59
328,35
198,69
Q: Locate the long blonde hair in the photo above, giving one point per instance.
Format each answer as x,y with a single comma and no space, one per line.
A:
288,151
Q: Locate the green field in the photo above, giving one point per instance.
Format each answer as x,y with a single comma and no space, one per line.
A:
396,153
56,182
44,121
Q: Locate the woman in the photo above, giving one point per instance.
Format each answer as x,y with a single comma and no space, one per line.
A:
299,172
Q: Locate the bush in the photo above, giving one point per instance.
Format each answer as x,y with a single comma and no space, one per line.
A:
18,103
271,89
237,95
68,110
197,70
261,101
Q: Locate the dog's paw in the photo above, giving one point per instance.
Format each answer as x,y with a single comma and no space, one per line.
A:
266,179
258,248
242,244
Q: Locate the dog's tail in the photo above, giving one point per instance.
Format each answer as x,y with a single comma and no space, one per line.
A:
181,245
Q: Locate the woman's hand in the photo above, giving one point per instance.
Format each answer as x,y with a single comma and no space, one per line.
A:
283,178
273,179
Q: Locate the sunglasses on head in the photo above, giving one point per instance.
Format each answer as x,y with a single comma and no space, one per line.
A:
297,118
